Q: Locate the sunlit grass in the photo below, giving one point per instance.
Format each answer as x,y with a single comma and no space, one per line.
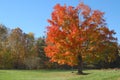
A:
59,75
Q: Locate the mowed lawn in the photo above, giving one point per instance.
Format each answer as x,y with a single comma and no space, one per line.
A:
59,75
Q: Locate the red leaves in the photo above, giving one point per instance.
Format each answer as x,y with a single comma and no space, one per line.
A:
97,17
51,50
85,10
76,31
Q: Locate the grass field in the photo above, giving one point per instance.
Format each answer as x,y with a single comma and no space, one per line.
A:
59,75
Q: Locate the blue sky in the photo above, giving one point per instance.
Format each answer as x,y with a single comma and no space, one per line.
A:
32,15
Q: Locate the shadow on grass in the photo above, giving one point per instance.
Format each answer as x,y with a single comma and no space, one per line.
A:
81,74
84,74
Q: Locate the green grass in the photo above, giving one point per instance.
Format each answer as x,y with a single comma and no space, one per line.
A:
58,75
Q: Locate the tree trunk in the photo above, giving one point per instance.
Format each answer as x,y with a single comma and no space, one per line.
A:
80,65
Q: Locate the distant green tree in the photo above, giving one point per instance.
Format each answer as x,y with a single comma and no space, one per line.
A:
31,60
43,60
111,47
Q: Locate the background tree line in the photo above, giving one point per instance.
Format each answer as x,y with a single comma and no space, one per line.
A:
19,50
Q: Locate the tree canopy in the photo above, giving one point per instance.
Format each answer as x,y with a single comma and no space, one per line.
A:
78,34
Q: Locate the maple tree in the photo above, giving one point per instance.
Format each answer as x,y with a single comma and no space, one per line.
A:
76,34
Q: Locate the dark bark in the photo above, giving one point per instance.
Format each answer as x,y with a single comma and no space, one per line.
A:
80,65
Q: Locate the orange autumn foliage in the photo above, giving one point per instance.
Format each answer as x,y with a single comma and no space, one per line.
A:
78,31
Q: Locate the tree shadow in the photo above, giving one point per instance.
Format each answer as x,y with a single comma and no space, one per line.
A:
84,74
81,73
